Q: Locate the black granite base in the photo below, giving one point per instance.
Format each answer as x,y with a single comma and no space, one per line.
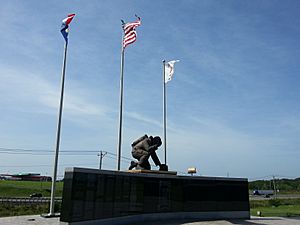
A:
99,195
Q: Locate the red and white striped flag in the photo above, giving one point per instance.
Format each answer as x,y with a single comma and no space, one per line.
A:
130,32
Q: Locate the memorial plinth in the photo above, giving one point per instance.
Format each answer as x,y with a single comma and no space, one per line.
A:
92,196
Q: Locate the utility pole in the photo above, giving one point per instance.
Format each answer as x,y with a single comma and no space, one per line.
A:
274,185
101,156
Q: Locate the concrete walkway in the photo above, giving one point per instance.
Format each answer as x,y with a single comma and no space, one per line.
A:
38,220
253,221
29,220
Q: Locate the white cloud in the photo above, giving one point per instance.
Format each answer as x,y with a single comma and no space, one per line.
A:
144,119
31,92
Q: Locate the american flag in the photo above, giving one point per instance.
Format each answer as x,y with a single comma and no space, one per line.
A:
129,32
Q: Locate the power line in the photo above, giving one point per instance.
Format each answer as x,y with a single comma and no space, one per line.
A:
23,151
111,157
16,150
46,165
50,152
44,150
40,153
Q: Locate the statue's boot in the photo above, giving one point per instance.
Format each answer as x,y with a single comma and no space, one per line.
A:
132,165
139,167
163,167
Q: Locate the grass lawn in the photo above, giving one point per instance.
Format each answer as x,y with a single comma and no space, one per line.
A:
25,188
276,207
19,210
282,210
28,209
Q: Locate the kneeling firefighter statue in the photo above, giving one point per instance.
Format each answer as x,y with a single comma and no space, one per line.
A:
142,149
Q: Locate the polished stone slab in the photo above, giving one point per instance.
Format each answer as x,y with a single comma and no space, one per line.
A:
101,195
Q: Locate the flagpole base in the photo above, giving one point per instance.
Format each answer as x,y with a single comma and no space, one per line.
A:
50,215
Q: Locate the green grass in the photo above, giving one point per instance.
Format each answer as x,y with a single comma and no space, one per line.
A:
19,210
26,188
276,207
282,211
289,192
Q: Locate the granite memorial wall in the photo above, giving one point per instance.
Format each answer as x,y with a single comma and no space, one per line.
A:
91,194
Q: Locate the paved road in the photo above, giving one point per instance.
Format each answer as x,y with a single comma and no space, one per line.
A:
26,200
37,220
279,196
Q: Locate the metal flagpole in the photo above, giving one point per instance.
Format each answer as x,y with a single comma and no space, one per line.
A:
128,37
121,110
52,200
165,110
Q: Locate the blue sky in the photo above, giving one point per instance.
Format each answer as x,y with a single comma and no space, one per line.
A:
233,104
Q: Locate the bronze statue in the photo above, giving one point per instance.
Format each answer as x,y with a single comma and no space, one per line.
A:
142,149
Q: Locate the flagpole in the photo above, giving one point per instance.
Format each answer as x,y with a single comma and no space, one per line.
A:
165,111
121,111
128,37
52,200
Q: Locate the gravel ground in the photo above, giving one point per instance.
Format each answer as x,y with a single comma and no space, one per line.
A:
38,220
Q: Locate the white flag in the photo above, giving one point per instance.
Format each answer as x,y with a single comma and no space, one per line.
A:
169,70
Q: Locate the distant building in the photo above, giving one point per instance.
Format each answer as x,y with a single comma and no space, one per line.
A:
26,177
